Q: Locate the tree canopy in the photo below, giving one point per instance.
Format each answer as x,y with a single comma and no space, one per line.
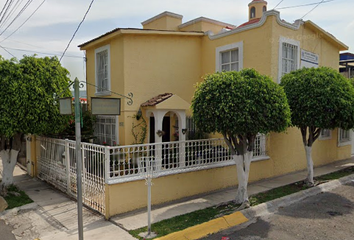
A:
27,95
319,97
29,91
239,103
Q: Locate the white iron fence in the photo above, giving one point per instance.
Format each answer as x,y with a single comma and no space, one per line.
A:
57,165
104,164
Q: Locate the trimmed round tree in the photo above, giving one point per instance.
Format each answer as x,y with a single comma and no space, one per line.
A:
319,98
28,104
239,105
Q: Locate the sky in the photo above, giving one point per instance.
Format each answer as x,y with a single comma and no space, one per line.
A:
48,31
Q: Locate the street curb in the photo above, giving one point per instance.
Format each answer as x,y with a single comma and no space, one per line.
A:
14,211
237,218
204,229
272,206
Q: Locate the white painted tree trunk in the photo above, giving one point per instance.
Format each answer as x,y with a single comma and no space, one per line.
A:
243,163
9,159
309,178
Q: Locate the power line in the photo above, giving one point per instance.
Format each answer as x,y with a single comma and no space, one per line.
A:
77,29
45,53
312,9
23,22
18,15
278,4
7,51
305,5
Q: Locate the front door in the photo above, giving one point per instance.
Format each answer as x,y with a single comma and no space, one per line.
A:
166,127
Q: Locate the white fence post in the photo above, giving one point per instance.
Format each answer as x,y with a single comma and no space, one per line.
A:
182,154
107,164
67,164
83,184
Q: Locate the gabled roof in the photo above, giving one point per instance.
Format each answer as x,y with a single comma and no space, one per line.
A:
255,20
208,20
118,31
156,100
166,13
166,101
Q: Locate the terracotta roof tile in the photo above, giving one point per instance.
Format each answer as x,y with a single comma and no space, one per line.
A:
256,20
156,100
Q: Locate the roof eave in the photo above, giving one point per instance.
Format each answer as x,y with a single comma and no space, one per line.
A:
121,31
341,46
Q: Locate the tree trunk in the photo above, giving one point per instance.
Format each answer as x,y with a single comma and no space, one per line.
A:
9,159
309,179
243,163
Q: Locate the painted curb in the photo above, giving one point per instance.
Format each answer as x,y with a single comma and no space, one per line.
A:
207,228
237,218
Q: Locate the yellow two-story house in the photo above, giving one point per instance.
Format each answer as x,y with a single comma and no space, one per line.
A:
161,62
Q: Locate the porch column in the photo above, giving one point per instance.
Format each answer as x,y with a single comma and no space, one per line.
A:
181,114
158,116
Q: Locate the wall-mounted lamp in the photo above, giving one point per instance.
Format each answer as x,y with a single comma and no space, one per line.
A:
139,114
160,133
184,130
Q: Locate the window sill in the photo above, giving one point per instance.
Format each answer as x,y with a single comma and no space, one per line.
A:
105,93
341,144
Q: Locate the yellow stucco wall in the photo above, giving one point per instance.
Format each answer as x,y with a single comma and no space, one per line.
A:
125,197
156,64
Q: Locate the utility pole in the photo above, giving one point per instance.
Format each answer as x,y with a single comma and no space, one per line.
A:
78,157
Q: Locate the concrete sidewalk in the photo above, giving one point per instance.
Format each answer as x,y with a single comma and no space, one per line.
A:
54,216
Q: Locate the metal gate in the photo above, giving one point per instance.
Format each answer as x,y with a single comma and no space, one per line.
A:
57,166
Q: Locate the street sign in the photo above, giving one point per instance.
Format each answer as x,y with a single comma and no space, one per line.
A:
65,106
105,106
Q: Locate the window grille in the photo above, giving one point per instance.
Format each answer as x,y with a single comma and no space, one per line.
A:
325,134
230,60
289,58
106,130
102,71
344,135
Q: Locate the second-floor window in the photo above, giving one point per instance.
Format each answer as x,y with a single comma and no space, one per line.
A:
229,57
289,58
289,53
102,58
229,60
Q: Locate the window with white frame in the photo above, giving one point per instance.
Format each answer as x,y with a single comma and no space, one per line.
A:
325,134
289,56
229,57
343,137
106,130
102,60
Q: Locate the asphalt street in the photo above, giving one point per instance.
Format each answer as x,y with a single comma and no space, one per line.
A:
326,216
